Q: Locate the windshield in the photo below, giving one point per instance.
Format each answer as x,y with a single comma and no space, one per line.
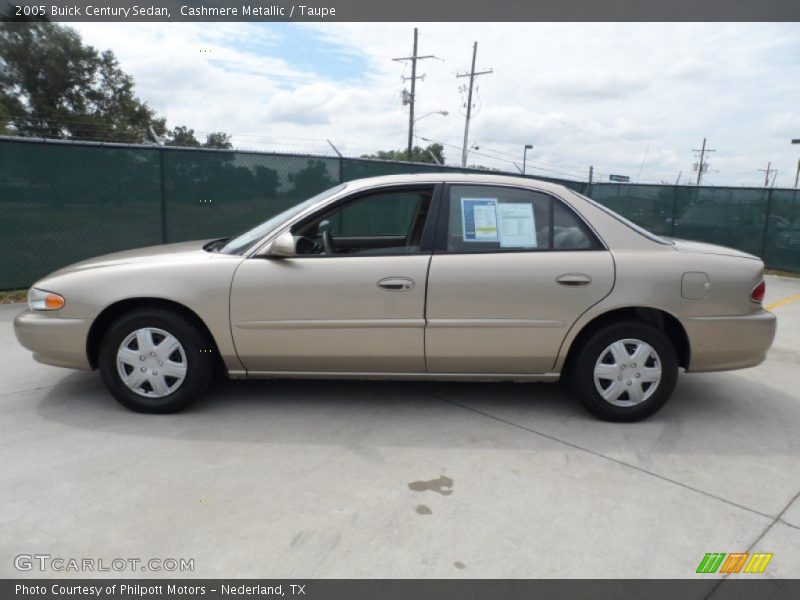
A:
640,230
244,242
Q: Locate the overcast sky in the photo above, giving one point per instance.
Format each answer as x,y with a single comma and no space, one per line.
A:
631,99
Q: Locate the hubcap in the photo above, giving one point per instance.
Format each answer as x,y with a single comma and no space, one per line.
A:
627,372
151,362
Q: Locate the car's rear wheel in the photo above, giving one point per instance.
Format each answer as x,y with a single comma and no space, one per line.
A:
155,361
625,371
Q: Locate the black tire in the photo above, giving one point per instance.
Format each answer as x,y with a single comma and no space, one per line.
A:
582,373
197,348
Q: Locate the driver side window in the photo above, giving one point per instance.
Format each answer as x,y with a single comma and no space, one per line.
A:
388,222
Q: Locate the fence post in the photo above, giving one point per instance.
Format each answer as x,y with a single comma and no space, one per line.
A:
163,196
766,226
674,210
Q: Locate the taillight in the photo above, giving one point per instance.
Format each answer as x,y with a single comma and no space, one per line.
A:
757,295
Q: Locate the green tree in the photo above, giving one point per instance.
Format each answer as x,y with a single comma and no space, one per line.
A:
53,85
418,154
6,110
218,139
182,136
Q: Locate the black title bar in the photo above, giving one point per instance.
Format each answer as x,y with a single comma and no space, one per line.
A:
403,11
701,587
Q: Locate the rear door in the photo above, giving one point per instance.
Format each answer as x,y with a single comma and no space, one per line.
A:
512,271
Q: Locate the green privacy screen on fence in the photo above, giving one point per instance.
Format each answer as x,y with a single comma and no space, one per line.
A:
64,202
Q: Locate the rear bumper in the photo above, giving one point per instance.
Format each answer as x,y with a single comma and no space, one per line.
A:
725,343
53,340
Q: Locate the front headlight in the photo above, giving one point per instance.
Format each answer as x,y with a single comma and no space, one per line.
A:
44,300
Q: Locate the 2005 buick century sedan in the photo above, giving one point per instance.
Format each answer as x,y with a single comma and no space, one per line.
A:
460,277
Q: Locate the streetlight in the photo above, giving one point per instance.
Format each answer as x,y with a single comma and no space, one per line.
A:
525,156
444,113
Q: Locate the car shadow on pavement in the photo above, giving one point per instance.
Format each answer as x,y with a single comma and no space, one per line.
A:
721,413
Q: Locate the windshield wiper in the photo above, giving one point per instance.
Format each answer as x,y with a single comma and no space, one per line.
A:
215,245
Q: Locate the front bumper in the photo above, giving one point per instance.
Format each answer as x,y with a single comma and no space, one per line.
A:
725,343
52,339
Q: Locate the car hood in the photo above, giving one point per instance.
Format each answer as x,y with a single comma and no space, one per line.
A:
148,255
703,248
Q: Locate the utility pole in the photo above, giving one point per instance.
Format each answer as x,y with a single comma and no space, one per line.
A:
411,98
472,75
702,165
797,175
766,172
591,174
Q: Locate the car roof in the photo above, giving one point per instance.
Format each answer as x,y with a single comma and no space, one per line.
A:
487,178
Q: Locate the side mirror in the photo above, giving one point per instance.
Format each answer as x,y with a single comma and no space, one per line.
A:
283,246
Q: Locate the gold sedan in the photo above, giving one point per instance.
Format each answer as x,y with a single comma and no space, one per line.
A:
448,276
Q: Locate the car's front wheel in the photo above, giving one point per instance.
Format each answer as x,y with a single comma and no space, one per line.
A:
155,361
625,371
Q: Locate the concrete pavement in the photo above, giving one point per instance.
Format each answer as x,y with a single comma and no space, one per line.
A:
311,478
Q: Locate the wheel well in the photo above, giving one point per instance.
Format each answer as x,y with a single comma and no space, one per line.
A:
665,322
113,311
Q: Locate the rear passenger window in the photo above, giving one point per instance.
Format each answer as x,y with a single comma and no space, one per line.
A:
500,219
569,232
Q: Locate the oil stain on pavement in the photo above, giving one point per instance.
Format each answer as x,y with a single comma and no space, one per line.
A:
442,486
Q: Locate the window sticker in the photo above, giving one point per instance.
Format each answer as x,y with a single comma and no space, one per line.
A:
479,219
517,225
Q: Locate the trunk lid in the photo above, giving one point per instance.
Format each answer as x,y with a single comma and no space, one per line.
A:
703,248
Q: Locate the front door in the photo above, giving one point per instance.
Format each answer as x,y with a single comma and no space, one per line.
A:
352,300
513,270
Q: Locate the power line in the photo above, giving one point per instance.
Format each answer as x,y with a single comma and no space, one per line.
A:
507,71
518,83
537,164
497,158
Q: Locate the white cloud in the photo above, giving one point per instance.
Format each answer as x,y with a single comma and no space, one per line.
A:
583,94
691,68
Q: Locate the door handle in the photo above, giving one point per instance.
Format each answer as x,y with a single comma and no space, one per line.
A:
396,284
574,280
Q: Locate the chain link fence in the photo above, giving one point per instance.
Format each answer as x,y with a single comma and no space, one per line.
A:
61,202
